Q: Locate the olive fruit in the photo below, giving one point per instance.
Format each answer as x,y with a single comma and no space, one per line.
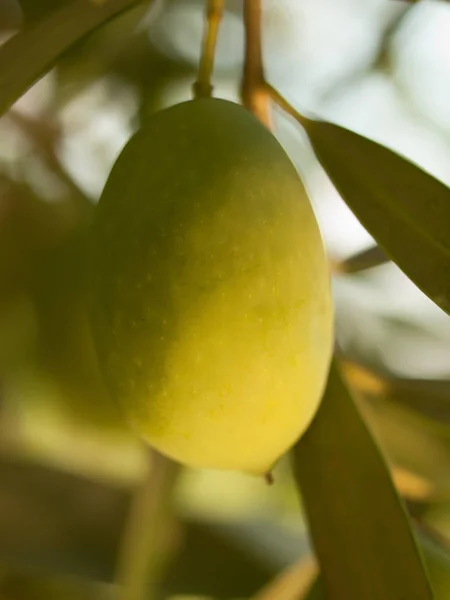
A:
211,308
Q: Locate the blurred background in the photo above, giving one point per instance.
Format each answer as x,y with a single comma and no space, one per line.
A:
68,468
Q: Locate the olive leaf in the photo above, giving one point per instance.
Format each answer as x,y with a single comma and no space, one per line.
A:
437,561
29,54
359,528
405,209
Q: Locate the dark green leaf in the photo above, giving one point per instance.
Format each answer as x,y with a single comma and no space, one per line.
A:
437,561
31,53
405,209
358,524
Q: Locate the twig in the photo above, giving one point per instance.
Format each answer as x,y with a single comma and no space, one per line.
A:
276,97
145,545
372,257
291,584
29,54
254,91
202,88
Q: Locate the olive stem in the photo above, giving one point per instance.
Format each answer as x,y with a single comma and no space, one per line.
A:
254,91
145,546
202,88
277,98
269,479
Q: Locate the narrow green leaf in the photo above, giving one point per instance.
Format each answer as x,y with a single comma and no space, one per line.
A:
362,536
405,209
437,561
366,259
32,52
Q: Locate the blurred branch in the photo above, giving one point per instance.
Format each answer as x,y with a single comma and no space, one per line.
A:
366,259
278,99
405,414
28,55
291,584
144,549
44,137
254,91
202,88
429,397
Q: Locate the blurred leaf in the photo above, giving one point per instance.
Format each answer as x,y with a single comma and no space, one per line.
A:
316,591
420,447
410,420
118,44
34,11
31,53
28,227
437,561
11,15
65,347
55,522
208,550
429,397
360,530
366,259
406,210
45,136
27,586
